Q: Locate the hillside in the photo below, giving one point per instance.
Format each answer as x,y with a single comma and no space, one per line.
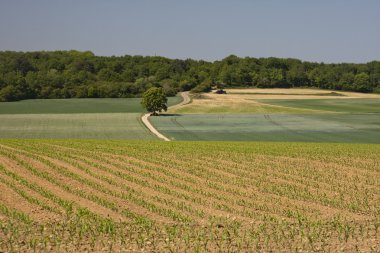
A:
73,74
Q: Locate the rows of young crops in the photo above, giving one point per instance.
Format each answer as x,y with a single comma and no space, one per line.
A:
201,196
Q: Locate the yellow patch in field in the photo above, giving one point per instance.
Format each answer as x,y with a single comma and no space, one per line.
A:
298,93
246,100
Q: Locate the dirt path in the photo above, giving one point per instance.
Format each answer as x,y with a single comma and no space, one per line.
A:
145,117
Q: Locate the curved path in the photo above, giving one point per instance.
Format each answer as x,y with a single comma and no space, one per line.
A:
145,117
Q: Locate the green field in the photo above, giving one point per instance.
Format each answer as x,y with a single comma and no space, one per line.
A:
352,105
75,126
75,119
360,128
80,105
307,120
136,196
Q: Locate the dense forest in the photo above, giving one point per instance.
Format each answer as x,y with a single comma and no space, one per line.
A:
73,74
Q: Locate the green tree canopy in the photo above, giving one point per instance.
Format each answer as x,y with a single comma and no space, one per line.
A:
70,74
155,100
361,80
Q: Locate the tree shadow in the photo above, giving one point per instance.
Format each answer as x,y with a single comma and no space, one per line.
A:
169,114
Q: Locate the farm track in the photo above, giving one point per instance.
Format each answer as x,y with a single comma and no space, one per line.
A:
148,124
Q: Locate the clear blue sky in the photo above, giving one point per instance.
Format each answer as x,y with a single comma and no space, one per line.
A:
323,30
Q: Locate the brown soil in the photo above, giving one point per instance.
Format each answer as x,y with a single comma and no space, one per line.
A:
231,186
116,164
123,161
14,201
57,190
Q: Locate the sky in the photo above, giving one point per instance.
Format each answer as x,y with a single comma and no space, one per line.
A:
321,31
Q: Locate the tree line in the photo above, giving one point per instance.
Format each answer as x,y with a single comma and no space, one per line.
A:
74,74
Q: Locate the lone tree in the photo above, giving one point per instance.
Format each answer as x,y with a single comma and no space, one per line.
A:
154,100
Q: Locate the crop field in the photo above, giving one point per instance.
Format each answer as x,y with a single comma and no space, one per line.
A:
75,118
358,105
233,103
72,195
281,101
356,128
306,115
77,105
290,93
78,126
